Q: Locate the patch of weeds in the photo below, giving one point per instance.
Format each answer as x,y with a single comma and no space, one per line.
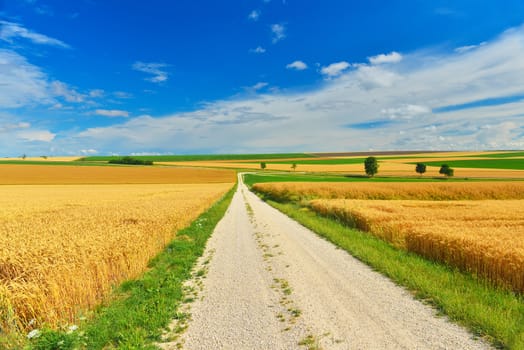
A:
310,342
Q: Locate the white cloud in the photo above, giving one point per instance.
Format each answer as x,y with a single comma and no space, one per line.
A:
96,93
334,69
279,32
68,93
155,69
467,48
371,77
385,106
112,113
36,135
297,65
392,57
88,151
258,86
407,111
404,96
10,31
254,15
122,94
7,127
21,83
258,49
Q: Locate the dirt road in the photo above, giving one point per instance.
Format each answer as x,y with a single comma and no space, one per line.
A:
272,284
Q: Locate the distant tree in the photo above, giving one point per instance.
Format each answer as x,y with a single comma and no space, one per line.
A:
371,166
130,161
421,168
294,166
262,165
446,170
45,157
24,156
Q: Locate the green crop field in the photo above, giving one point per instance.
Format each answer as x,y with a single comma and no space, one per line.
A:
251,179
503,163
502,155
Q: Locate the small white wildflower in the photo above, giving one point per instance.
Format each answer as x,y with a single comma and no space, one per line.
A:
32,322
73,328
35,333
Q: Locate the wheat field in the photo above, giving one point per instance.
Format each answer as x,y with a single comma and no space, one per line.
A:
394,190
11,174
485,237
63,247
475,226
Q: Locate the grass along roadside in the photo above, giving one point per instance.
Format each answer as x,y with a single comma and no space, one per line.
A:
141,309
492,313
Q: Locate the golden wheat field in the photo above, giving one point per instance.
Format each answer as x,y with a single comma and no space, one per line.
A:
395,190
485,237
63,247
475,226
66,174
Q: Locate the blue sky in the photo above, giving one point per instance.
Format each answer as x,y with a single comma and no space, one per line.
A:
192,76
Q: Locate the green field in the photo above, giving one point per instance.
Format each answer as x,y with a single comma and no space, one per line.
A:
203,157
251,179
502,155
503,163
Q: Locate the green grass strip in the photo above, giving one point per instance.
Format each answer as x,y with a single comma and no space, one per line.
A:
141,309
492,313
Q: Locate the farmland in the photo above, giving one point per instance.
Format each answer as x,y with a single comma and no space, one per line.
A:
396,164
64,247
70,235
476,227
66,174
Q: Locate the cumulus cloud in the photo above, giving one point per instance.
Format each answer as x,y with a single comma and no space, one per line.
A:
392,57
10,31
279,32
36,135
297,65
254,15
112,113
159,75
334,69
258,49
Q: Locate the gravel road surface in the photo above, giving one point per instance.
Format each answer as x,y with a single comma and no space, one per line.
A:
266,282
